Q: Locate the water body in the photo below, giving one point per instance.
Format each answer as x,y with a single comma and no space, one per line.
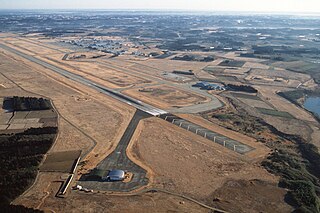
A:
312,104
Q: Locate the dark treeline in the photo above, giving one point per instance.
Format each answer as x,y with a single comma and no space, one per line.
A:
243,88
20,156
298,167
26,103
17,209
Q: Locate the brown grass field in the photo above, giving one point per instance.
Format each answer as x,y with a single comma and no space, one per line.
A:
182,162
165,96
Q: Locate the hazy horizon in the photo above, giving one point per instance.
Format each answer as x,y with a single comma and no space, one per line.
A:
263,6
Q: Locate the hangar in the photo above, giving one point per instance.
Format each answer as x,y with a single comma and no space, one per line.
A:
108,175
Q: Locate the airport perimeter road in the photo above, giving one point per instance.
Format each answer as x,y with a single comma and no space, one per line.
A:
118,159
80,79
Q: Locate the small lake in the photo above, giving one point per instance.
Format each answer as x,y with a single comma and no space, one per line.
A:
312,104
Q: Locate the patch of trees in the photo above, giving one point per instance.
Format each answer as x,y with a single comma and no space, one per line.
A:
299,168
194,58
17,209
299,174
26,103
20,156
243,88
283,50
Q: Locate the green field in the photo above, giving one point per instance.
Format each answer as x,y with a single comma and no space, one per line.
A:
60,161
212,69
274,113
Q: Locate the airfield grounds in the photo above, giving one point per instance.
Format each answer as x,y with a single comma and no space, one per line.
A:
173,157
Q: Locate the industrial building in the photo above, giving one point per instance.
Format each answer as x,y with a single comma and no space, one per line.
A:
209,86
115,175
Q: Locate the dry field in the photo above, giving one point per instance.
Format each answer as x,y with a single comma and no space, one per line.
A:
165,97
42,197
44,42
33,48
250,197
282,104
97,119
255,103
179,159
281,74
256,155
99,73
156,66
190,165
255,65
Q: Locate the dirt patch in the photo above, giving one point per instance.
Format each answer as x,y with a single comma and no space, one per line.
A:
250,196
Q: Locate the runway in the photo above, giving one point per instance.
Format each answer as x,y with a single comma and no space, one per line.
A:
80,79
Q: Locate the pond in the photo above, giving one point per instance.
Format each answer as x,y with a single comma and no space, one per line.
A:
312,104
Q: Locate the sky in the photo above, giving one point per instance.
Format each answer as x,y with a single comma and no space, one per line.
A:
295,6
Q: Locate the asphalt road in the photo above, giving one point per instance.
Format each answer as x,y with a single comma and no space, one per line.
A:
118,159
78,78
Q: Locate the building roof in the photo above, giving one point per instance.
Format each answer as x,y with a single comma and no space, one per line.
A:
116,173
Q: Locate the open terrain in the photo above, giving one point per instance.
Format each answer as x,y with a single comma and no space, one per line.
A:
125,99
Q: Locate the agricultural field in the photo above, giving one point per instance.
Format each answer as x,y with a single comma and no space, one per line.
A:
252,100
28,141
60,161
274,112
